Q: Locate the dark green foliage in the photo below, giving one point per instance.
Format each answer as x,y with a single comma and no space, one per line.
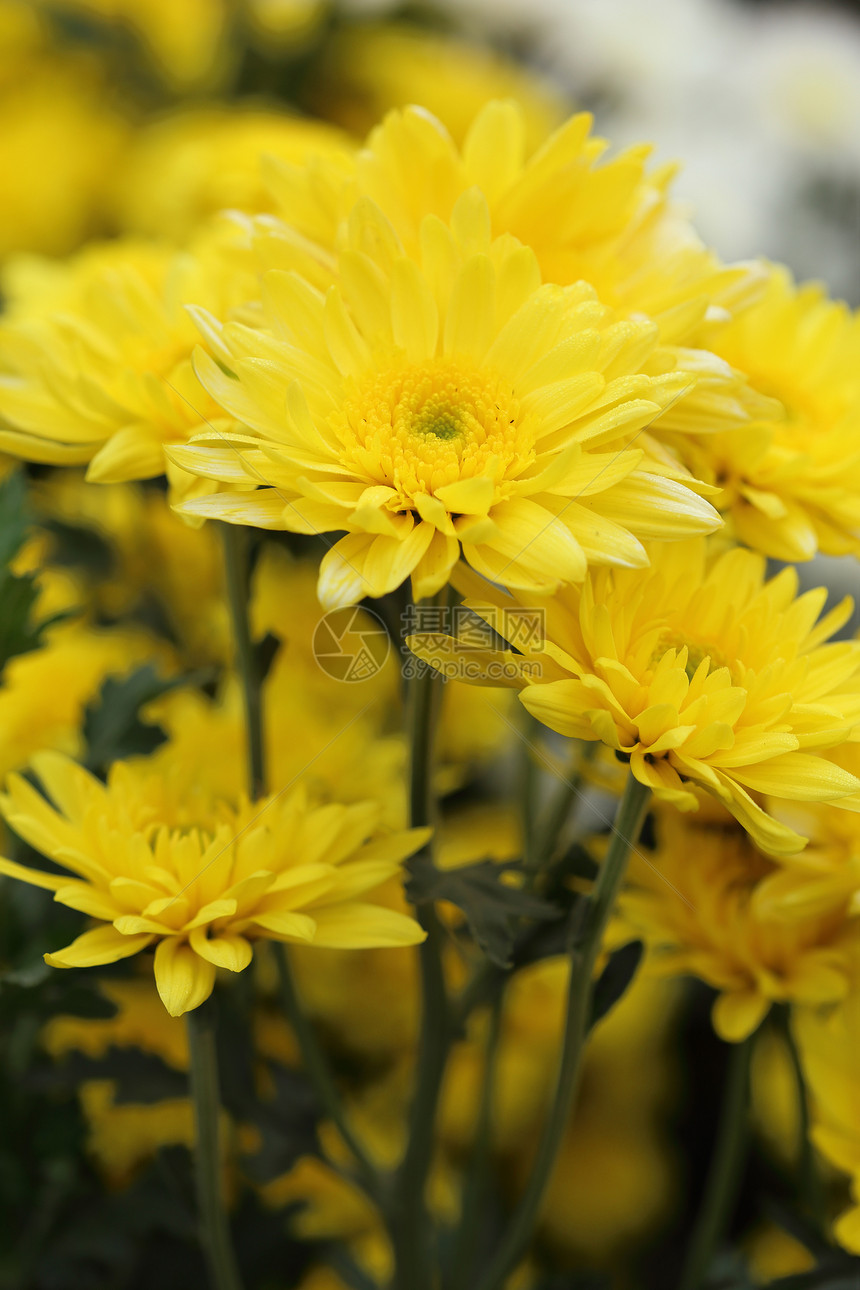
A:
492,907
112,726
19,633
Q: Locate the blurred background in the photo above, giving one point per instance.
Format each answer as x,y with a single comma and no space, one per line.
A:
759,102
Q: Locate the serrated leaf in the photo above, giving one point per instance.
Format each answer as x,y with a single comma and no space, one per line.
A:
112,726
492,907
15,517
614,980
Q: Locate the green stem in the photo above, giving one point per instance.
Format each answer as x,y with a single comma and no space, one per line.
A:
583,956
410,1227
726,1168
529,791
811,1192
475,1186
319,1073
237,577
215,1230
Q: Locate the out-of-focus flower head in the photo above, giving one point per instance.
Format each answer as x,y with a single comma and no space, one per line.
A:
700,903
366,69
827,1039
185,44
45,692
96,358
199,880
183,168
701,672
63,132
790,481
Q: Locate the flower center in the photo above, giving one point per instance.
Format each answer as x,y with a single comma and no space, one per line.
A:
417,427
696,651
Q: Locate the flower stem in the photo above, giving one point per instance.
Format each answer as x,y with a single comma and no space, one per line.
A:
215,1230
236,540
319,1073
408,1215
811,1193
726,1168
476,1178
583,956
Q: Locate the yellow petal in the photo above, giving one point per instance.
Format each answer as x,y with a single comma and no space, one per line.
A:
101,945
355,926
738,1014
183,979
231,952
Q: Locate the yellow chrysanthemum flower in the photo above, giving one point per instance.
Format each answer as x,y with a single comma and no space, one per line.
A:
279,869
95,358
367,69
63,132
827,1039
700,904
698,670
610,223
456,404
44,693
186,43
185,167
791,483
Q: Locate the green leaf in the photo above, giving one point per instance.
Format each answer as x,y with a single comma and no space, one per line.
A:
615,979
19,634
112,725
492,907
15,517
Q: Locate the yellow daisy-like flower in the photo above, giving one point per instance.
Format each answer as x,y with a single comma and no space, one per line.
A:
187,166
827,1040
279,869
367,69
698,670
610,223
701,904
791,483
456,404
96,359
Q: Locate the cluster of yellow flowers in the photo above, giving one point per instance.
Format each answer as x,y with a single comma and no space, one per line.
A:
488,361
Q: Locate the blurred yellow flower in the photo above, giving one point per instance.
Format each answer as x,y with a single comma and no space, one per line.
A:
698,670
63,132
183,168
185,42
96,359
697,904
366,69
790,482
829,1052
279,869
44,693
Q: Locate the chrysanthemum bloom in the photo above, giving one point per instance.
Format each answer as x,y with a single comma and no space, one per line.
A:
609,223
826,874
697,670
369,68
701,905
791,483
279,869
827,1039
185,167
95,359
456,404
